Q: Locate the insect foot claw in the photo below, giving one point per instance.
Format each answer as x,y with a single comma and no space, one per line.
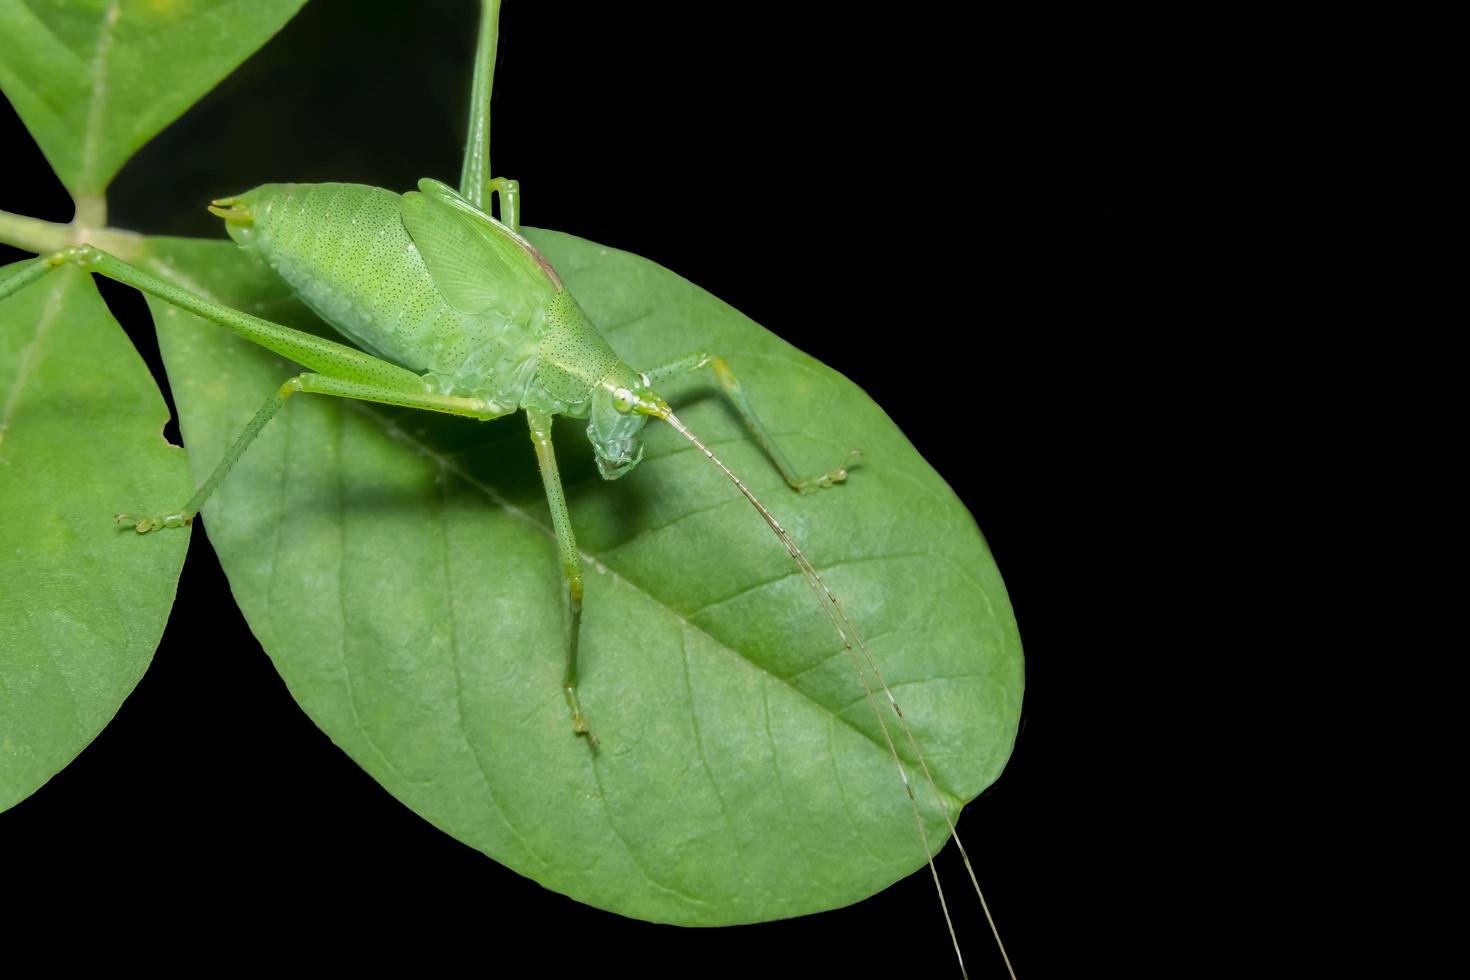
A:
837,475
145,524
579,727
579,720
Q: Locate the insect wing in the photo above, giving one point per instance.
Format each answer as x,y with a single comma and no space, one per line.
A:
475,267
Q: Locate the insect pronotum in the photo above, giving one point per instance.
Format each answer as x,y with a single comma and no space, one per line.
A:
240,212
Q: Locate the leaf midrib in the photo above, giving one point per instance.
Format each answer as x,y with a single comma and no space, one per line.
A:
86,176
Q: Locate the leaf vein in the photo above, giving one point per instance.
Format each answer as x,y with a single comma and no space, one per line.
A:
842,795
32,353
95,114
776,758
785,576
474,748
704,759
633,854
341,511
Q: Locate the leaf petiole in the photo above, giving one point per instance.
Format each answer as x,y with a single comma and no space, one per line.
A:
35,235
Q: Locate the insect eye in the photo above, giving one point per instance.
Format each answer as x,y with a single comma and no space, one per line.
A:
623,400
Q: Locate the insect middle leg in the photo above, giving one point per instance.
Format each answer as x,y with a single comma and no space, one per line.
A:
731,387
510,201
311,384
571,565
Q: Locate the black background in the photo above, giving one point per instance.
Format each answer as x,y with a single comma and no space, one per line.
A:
976,222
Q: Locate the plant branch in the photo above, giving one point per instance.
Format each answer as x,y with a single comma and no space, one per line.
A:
32,234
35,235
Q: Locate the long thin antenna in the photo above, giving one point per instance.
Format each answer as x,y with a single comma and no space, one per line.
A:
853,642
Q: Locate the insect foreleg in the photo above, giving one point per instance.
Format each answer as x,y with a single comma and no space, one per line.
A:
731,386
571,566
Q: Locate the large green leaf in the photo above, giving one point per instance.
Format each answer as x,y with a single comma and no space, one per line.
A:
96,79
82,603
400,571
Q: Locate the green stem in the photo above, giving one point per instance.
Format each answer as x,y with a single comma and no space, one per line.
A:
474,176
91,211
32,234
41,237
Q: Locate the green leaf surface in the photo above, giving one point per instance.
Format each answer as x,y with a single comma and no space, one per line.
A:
401,572
82,603
96,79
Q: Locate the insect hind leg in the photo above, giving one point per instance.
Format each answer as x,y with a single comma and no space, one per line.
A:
730,385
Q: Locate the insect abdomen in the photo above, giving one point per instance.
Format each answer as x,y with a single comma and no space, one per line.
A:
344,250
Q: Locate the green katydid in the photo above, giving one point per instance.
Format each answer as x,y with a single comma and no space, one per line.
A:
443,226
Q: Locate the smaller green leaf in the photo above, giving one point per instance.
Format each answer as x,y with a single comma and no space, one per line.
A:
94,80
82,602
